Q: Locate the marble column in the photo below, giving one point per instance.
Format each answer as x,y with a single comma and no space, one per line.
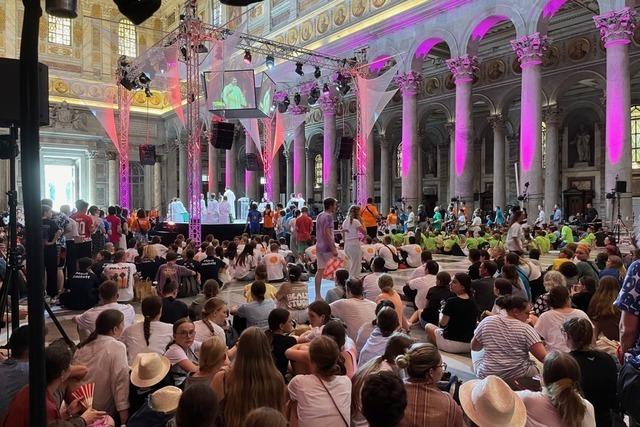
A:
463,68
212,169
370,165
552,161
385,175
112,178
148,187
310,175
299,160
250,177
329,161
157,185
451,128
499,189
275,179
408,85
231,166
529,50
616,29
183,175
91,177
288,155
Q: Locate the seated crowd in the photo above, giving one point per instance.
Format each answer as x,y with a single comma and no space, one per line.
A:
544,344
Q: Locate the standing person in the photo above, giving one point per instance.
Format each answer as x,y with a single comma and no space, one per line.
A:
392,220
115,231
557,215
325,242
85,229
99,232
303,229
499,216
70,237
541,220
269,218
515,235
230,197
352,247
50,235
437,220
253,220
141,226
590,214
411,219
370,218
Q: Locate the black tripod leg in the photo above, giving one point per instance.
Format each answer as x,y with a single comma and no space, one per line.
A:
56,322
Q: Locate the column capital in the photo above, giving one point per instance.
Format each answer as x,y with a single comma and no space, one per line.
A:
530,48
463,67
551,115
450,127
408,83
112,156
328,104
385,143
616,27
92,154
297,110
496,121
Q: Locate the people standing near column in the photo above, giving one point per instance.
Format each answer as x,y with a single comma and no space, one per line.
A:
351,227
85,228
50,235
325,241
370,217
231,198
70,237
303,229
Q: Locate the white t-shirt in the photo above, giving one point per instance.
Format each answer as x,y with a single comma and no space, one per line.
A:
411,220
176,354
350,229
121,273
370,285
315,407
199,256
414,254
542,413
241,270
515,231
368,252
274,262
422,285
354,313
549,327
133,338
130,255
418,272
203,333
311,254
386,252
87,320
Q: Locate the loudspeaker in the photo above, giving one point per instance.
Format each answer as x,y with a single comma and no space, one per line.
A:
621,186
10,110
222,135
345,148
147,154
253,163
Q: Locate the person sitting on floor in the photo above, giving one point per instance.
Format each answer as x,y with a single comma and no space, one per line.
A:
172,309
82,288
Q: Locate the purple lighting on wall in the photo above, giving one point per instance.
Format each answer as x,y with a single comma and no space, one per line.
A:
426,46
487,24
616,116
378,63
552,7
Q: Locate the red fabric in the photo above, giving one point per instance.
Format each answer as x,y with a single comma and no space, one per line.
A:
331,267
114,233
304,225
85,224
17,414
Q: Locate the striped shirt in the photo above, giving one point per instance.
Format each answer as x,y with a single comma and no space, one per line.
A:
428,406
506,342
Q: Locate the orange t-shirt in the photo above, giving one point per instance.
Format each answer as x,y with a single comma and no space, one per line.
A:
392,219
369,215
268,219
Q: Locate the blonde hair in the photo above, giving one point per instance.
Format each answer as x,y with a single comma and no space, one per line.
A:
212,352
385,283
552,279
561,377
149,252
419,359
354,213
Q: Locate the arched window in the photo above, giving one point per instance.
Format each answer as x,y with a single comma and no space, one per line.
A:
399,161
635,136
127,39
59,30
136,182
543,126
318,170
216,13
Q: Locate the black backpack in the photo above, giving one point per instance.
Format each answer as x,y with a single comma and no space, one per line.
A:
188,287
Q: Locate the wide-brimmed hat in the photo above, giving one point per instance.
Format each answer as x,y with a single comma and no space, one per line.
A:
166,399
490,402
149,369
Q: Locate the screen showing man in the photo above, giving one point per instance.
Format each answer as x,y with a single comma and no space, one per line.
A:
238,91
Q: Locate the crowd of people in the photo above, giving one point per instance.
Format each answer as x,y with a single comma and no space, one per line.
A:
549,345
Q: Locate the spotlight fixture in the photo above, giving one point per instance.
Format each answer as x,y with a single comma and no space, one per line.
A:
144,79
344,88
297,98
284,105
317,73
270,61
299,69
325,88
183,52
138,11
201,48
247,56
62,8
148,92
314,94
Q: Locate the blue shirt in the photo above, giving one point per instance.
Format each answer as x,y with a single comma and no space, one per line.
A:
629,300
254,217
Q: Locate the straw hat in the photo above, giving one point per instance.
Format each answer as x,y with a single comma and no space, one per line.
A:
166,399
149,369
490,402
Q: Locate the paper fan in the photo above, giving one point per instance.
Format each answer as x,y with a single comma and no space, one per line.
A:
85,393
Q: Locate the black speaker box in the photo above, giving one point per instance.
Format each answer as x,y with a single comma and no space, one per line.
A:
10,109
147,154
253,163
222,135
345,150
621,186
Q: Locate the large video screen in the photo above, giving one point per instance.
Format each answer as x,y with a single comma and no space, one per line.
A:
230,90
265,96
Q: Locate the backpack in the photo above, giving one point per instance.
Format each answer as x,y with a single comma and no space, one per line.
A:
188,287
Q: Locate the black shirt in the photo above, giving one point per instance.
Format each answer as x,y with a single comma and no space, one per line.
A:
49,229
83,291
209,268
590,214
191,264
474,270
483,293
280,344
581,300
435,296
463,316
148,268
598,382
173,310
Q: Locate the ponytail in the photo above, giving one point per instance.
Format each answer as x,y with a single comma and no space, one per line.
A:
146,329
565,398
105,323
151,307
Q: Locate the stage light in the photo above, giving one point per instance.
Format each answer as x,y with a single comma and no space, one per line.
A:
148,92
297,98
183,52
239,3
314,94
201,48
138,11
317,73
270,61
62,8
144,78
344,88
247,56
299,69
325,88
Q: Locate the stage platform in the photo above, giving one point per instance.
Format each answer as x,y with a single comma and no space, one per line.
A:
169,230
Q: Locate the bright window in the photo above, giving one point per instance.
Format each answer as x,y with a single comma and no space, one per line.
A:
216,13
318,170
127,39
59,30
635,136
543,126
399,161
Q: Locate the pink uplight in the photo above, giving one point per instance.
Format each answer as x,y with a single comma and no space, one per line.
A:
552,7
426,46
460,152
615,116
378,63
487,24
